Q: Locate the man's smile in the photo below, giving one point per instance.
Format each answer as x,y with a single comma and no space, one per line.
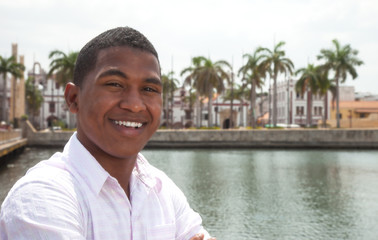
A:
129,124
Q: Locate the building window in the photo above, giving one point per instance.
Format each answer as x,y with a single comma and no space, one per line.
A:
299,95
52,107
205,116
299,111
188,114
318,110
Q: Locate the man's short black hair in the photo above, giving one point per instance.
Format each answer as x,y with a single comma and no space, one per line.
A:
117,37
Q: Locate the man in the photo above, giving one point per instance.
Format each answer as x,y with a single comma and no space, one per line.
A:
100,186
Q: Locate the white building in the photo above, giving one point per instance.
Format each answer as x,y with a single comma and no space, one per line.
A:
293,107
53,109
181,116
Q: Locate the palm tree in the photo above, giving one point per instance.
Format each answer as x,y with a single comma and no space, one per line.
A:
207,76
170,84
325,84
190,81
34,98
252,74
62,65
308,82
342,60
211,76
9,65
275,62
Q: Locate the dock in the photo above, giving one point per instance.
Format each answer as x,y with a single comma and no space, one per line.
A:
11,141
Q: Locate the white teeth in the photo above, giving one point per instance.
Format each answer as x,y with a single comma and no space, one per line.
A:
129,124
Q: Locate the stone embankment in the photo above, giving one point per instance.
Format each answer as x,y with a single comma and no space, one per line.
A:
272,138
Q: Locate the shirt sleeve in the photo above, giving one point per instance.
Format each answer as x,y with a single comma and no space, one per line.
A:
40,209
188,222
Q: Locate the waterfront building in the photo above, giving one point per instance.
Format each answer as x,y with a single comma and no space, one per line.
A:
6,117
182,115
366,96
294,108
355,114
53,111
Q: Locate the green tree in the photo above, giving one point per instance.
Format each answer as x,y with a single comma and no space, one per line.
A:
308,82
191,81
212,79
62,65
170,84
253,73
209,78
275,62
34,98
342,61
9,65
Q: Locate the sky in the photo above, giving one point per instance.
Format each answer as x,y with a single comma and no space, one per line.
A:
217,29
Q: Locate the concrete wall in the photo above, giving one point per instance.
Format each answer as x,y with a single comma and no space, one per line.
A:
289,138
272,138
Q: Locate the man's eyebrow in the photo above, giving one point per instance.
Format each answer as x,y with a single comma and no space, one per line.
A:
112,72
154,81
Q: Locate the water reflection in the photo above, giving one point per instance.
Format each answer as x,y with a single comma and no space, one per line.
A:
275,194
264,194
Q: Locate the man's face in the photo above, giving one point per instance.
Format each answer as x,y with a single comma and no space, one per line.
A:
119,103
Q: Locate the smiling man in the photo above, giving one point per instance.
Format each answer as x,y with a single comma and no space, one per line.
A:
100,186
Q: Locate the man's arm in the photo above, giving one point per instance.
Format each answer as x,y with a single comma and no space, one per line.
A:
188,222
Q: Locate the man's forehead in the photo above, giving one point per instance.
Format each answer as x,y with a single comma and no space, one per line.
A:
110,51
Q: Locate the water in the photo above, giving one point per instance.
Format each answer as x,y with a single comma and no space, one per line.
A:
264,194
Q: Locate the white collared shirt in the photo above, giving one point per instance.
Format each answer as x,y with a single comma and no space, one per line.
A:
70,196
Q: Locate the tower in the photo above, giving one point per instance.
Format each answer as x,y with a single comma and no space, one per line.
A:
17,91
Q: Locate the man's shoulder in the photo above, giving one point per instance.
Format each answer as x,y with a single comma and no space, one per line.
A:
47,176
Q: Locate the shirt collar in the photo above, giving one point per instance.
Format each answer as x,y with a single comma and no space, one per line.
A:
85,165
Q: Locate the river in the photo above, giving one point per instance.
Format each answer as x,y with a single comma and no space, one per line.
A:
263,194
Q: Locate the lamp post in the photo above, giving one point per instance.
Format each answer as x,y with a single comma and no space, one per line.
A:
232,99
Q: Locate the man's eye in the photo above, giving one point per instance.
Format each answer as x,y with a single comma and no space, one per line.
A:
114,84
149,89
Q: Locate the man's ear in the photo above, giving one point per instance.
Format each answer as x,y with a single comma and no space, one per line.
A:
71,94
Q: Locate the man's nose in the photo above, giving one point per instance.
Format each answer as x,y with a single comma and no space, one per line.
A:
132,101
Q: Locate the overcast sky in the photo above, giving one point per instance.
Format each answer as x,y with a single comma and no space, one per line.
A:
180,30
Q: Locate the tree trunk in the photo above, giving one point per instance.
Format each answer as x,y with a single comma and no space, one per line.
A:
171,109
198,108
337,102
166,110
4,104
309,108
325,114
253,104
210,110
242,113
275,100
